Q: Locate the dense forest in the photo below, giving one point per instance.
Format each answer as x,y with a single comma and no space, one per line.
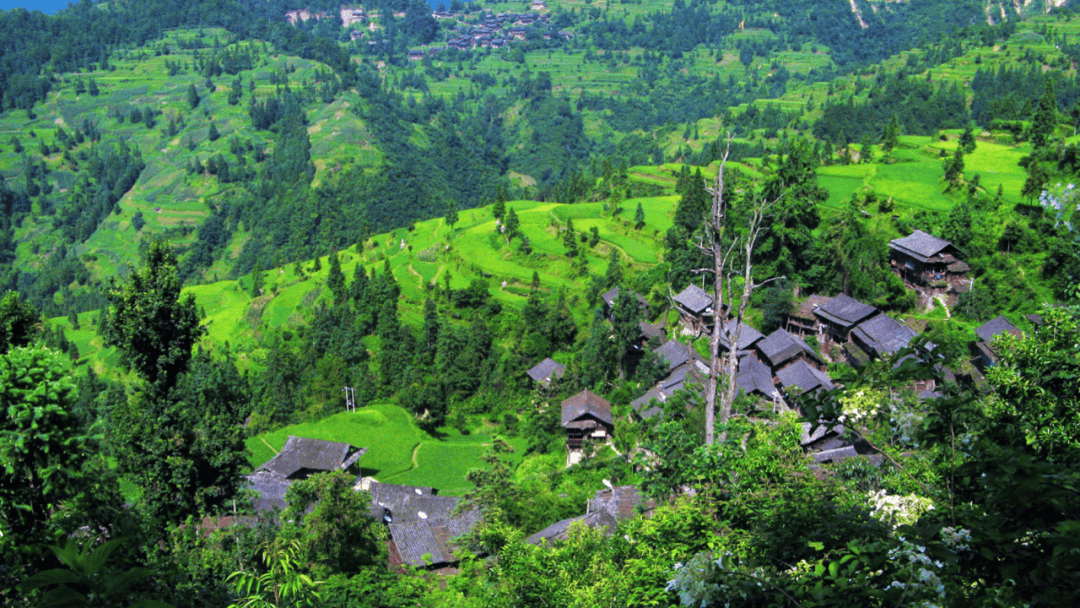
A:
227,229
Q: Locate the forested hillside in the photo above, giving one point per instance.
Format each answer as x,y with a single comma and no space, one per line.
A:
465,255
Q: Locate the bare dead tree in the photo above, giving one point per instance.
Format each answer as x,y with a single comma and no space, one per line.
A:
722,247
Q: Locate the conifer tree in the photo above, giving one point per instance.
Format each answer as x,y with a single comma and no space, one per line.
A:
512,224
192,97
1045,120
335,280
639,217
890,138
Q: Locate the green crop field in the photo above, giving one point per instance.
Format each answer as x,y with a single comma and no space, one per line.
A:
398,450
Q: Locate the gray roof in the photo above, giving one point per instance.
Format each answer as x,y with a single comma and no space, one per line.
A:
649,330
609,298
806,308
884,335
682,377
754,376
675,353
822,438
431,538
695,299
835,455
782,346
621,502
844,311
642,405
601,520
803,376
920,245
1000,325
401,504
270,488
542,372
586,403
301,453
747,335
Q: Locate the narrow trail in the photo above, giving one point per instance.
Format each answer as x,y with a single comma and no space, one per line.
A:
265,442
941,300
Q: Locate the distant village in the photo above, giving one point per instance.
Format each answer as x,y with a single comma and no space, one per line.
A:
422,525
473,30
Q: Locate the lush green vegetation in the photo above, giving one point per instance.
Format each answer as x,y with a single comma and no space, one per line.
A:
224,219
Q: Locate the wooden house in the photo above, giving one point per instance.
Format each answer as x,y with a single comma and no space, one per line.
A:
985,355
881,336
804,377
587,415
299,458
748,338
802,321
695,306
781,349
542,373
841,314
674,353
609,298
927,261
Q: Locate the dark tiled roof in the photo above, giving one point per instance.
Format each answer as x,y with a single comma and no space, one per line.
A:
835,455
682,377
747,336
675,353
803,376
920,245
429,542
643,404
621,502
1035,318
844,311
695,299
782,346
822,439
648,330
1000,325
557,531
271,490
403,504
754,376
584,404
300,453
543,371
609,298
883,335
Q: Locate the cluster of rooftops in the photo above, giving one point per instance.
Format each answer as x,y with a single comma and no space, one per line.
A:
772,366
423,526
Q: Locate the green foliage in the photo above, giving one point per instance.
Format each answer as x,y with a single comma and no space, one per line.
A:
281,585
327,522
18,322
89,579
153,327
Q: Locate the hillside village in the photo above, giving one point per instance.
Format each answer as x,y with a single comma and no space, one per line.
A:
545,303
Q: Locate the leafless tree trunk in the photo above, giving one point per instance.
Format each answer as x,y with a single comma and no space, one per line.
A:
722,253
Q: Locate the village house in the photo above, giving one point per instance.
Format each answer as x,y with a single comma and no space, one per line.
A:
422,524
924,260
804,377
841,314
985,355
603,512
299,458
609,298
802,321
882,336
586,415
675,353
756,379
543,372
695,307
749,337
781,349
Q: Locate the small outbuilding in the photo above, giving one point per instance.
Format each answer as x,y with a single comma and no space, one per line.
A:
695,306
882,336
542,373
985,355
841,314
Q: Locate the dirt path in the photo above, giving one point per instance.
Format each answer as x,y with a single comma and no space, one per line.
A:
941,300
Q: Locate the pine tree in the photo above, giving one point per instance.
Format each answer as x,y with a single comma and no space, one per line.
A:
451,215
192,96
967,140
213,133
335,280
512,224
1044,122
92,88
890,138
639,217
257,279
